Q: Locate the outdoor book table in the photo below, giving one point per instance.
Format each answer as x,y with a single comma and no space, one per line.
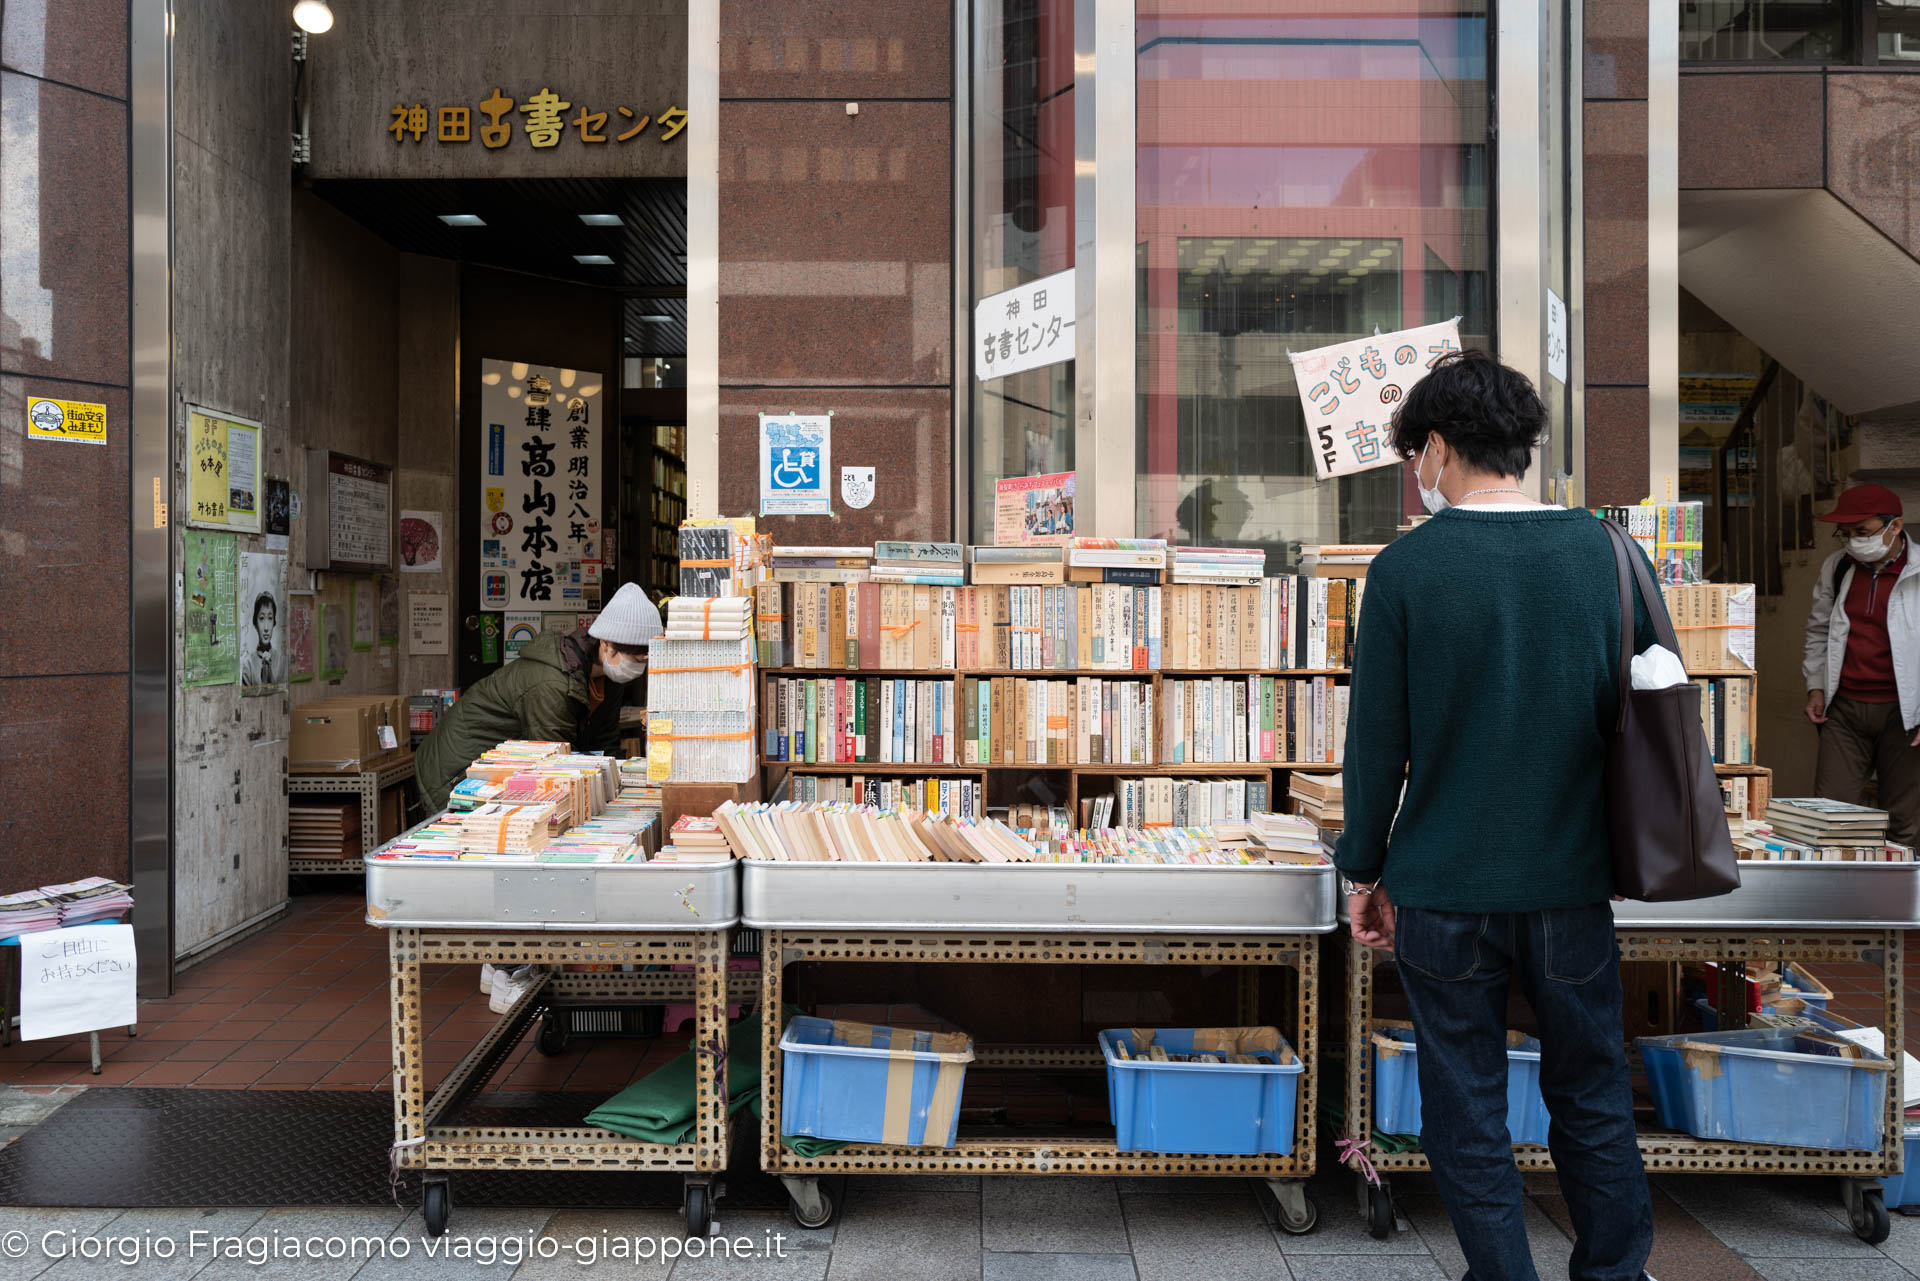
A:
669,921
1784,912
1040,914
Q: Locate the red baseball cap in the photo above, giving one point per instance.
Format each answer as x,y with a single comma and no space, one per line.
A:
1863,501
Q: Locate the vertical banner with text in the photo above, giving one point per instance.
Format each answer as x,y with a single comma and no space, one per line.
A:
540,486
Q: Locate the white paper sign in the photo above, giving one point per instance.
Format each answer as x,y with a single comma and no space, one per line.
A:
796,459
77,980
540,484
1556,336
1351,390
1028,327
426,623
856,486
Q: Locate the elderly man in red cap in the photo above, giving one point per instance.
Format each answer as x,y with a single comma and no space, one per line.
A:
1862,664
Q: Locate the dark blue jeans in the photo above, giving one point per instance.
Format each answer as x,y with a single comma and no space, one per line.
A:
1455,968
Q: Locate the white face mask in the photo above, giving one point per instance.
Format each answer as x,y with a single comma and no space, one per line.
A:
622,669
1869,549
1432,499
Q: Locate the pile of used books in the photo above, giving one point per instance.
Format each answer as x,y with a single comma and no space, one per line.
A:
1811,829
1288,838
695,838
1321,799
1219,566
94,899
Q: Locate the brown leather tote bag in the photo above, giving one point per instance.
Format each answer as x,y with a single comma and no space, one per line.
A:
1670,839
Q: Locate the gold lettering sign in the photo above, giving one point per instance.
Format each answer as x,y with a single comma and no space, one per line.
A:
544,122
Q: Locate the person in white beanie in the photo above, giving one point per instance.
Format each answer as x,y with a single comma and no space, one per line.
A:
562,689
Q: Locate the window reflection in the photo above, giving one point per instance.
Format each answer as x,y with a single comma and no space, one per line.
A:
1303,179
1763,31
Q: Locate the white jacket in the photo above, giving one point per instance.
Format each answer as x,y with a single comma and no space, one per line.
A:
1828,625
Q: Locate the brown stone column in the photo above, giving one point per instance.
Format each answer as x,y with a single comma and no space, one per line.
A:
1615,93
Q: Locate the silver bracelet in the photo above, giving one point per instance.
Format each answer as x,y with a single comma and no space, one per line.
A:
1350,887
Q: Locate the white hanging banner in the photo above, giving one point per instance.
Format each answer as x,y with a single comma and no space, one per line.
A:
1351,390
1026,327
540,485
79,979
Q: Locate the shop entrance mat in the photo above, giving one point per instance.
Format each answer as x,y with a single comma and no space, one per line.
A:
212,1148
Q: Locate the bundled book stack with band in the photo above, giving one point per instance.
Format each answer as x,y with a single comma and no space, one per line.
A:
1817,830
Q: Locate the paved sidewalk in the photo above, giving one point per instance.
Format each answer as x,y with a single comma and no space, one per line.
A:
966,1229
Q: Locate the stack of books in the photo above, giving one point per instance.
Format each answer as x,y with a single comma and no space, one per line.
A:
1138,562
28,912
1726,715
1338,560
323,827
928,564
961,796
504,829
1185,802
1318,798
700,692
721,556
1816,821
1220,566
1671,534
727,618
1022,565
94,899
1254,718
1009,720
1288,837
820,564
695,838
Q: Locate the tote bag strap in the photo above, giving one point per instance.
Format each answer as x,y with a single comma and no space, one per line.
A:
1631,571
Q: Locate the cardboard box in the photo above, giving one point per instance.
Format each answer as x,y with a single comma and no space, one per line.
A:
332,735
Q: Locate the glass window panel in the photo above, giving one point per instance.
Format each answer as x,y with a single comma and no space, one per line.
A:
1303,179
1023,228
1899,28
1763,31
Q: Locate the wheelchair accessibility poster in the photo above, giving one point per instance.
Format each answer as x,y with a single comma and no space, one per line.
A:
796,464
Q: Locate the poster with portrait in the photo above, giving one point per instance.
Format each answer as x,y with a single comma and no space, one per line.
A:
263,622
1033,510
540,485
1350,392
365,633
303,638
333,642
210,633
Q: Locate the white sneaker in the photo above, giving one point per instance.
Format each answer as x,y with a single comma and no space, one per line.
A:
486,979
509,985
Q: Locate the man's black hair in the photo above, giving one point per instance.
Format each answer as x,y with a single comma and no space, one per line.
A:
264,598
1489,414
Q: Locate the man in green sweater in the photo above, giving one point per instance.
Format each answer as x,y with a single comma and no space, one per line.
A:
1485,685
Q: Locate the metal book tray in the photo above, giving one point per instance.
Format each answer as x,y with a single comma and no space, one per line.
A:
1804,895
1140,898
482,894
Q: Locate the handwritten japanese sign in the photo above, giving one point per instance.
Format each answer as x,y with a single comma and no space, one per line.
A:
542,117
540,476
1351,390
79,979
69,420
1027,327
223,478
796,456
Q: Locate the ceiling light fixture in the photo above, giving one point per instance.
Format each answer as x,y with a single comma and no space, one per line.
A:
463,220
656,320
601,220
313,17
593,260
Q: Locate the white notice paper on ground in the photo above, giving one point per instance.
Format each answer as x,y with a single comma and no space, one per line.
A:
76,980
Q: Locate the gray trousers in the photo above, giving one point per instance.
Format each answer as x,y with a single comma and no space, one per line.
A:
1860,739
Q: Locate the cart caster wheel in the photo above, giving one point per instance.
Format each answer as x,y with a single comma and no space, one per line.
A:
553,1035
811,1211
1379,1211
699,1210
436,1203
1299,1224
1868,1214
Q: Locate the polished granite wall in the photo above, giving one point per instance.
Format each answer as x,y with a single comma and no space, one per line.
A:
65,239
1614,86
836,251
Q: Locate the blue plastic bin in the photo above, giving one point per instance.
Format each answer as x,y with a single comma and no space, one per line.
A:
835,1087
1396,1085
1216,1109
1904,1188
1795,982
1754,1087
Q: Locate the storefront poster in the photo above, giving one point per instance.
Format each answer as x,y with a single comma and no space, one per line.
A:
1027,327
796,457
279,519
1033,509
333,642
856,487
389,610
224,486
79,979
420,542
561,623
74,421
520,628
303,638
540,454
210,642
1350,391
1715,399
366,615
427,623
263,622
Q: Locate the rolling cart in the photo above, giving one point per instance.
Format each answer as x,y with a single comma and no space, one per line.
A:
1040,914
650,916
1783,912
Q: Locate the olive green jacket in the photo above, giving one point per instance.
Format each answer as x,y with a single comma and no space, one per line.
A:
541,696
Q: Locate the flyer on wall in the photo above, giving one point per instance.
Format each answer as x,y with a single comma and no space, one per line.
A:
796,455
1033,509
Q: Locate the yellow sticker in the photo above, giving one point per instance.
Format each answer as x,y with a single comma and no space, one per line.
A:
496,499
659,751
71,420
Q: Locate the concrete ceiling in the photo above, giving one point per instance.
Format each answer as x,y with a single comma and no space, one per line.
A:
1813,284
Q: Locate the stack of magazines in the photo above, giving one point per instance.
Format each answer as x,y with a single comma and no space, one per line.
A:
28,912
94,899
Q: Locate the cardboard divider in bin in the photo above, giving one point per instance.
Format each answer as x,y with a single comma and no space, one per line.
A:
1220,1040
